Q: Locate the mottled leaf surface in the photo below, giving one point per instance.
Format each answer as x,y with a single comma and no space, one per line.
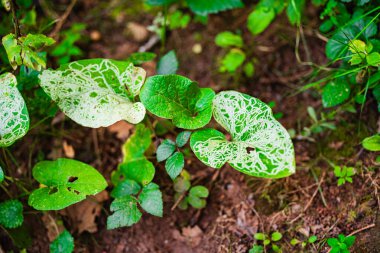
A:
11,214
64,243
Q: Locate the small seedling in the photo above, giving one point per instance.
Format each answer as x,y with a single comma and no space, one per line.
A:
344,174
267,241
312,239
341,244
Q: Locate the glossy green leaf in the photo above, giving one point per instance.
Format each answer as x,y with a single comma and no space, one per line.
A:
168,64
294,11
228,39
142,171
372,143
125,213
64,182
93,92
14,117
176,97
1,174
260,145
233,60
137,144
259,19
165,150
183,138
64,243
11,214
197,195
126,187
175,164
203,8
335,93
151,199
22,51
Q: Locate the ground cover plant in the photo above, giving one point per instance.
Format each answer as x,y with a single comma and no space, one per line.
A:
219,126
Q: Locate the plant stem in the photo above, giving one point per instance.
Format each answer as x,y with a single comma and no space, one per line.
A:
16,23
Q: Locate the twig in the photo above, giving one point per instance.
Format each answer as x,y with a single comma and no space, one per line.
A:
15,19
62,19
178,201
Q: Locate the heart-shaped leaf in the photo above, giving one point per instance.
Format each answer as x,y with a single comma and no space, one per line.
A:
125,213
260,145
11,214
64,243
178,98
14,117
197,195
151,199
64,182
96,92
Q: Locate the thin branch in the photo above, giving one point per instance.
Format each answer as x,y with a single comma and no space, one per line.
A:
16,23
62,19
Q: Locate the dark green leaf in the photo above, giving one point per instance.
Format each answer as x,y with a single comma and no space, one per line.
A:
160,2
335,93
165,150
64,243
175,164
294,11
11,214
125,213
168,64
126,187
1,174
151,199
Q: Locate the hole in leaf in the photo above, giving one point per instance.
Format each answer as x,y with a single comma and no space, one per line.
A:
121,177
53,190
72,179
250,149
76,192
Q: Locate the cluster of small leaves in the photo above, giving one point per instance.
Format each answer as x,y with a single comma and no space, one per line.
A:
267,241
11,214
64,243
312,239
341,244
344,174
187,194
175,160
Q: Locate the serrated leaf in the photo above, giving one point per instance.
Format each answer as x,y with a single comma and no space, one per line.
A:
228,39
14,117
165,150
65,182
137,144
335,93
125,213
22,51
64,243
126,187
183,138
260,145
1,174
151,199
259,19
372,143
175,97
175,164
203,8
93,92
168,64
11,214
142,171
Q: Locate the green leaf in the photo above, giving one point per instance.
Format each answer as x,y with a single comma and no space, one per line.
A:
260,145
6,4
142,171
337,171
126,187
183,204
249,69
350,171
260,236
65,182
141,57
93,92
151,199
203,8
175,164
276,236
256,249
165,150
341,181
125,213
64,243
259,19
181,184
22,51
160,2
372,143
168,64
312,239
373,59
14,117
335,93
183,138
137,144
294,241
1,174
197,195
175,97
234,59
227,39
349,241
294,11
11,214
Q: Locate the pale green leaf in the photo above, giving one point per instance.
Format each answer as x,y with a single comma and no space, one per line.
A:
373,59
126,187
151,199
63,183
202,7
181,184
312,239
234,59
175,97
276,236
228,39
183,138
372,143
165,150
6,4
260,236
125,213
260,145
96,92
11,214
259,19
335,93
14,117
64,243
175,164
168,64
137,144
142,171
